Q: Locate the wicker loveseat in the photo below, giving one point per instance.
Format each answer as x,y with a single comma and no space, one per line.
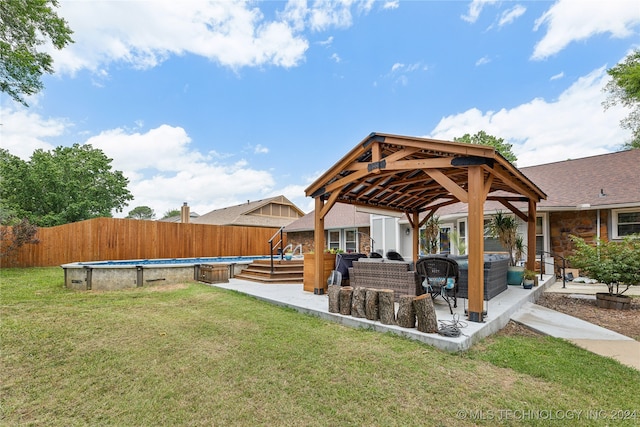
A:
385,274
495,275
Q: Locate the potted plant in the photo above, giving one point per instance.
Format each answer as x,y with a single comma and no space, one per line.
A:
616,264
528,279
504,228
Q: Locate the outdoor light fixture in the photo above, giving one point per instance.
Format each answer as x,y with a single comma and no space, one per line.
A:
407,231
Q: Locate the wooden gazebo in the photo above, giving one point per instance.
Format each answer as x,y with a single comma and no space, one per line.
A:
416,175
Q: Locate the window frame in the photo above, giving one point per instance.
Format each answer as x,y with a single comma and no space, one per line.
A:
615,222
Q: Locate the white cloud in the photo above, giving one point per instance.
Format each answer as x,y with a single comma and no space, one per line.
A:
392,4
399,72
574,125
510,15
142,34
475,8
260,149
482,61
557,76
23,131
571,20
326,13
326,42
336,58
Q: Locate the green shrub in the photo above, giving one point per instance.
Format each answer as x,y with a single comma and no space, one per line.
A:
615,263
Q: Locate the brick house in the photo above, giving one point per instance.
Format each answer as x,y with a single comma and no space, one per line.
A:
591,197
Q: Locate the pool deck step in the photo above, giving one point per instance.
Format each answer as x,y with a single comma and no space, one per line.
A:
287,272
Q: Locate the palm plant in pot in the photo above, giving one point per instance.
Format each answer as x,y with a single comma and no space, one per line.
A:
614,263
504,228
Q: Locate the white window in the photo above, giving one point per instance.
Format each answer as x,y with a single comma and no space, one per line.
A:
334,239
351,240
462,236
625,222
539,234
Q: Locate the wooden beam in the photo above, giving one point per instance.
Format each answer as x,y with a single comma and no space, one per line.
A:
404,152
375,152
510,182
352,177
433,163
329,204
449,184
509,198
513,209
487,186
531,238
476,244
432,209
427,217
318,234
375,158
440,146
416,237
409,216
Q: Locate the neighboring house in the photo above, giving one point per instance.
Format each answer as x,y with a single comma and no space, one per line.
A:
345,229
592,197
273,212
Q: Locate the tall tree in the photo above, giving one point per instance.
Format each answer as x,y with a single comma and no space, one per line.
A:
170,213
624,89
483,138
25,25
141,212
65,185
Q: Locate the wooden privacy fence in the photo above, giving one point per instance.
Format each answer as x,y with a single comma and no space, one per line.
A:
103,239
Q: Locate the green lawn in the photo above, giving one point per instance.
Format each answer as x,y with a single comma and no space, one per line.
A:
198,355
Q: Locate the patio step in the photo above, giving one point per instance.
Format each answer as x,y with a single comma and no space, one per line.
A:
283,271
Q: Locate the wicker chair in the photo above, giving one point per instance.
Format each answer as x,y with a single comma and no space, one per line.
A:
439,277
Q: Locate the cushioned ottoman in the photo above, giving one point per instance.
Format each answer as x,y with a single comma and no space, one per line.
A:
495,275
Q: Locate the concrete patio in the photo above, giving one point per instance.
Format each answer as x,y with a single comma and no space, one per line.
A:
499,311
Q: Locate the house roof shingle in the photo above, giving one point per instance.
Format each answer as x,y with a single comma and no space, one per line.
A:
341,215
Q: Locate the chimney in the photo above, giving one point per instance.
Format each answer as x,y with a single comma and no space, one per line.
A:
184,213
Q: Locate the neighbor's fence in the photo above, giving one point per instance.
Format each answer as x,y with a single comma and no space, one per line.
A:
102,239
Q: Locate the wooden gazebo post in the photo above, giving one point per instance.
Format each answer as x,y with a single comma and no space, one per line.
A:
476,243
531,237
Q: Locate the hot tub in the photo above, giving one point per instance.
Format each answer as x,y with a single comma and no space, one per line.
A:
112,275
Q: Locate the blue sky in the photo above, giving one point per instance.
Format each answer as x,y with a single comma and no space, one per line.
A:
216,103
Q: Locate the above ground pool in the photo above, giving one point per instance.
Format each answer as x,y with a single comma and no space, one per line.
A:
123,274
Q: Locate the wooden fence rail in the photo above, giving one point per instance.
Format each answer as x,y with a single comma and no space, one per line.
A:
102,239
